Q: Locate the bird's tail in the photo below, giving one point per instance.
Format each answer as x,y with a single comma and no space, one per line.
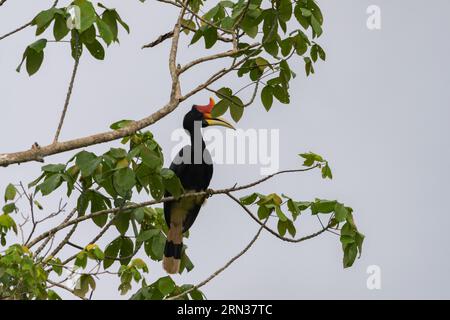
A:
173,248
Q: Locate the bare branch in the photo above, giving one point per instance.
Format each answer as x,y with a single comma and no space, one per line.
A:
275,233
69,90
59,285
215,56
229,263
159,40
15,30
37,154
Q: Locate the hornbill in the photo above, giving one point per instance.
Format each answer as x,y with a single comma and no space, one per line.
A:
194,168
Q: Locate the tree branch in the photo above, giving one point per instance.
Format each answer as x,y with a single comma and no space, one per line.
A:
229,263
215,56
59,285
38,153
15,30
275,233
69,91
153,202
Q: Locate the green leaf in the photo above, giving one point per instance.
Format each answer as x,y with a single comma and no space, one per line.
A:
248,200
44,17
10,192
109,18
54,168
173,185
281,94
105,31
340,212
267,97
291,228
111,252
34,61
88,15
282,227
280,214
7,222
150,158
89,35
96,49
87,162
122,222
350,253
50,184
157,246
197,35
126,250
60,29
166,285
81,259
316,26
236,109
326,172
99,203
293,208
220,108
299,16
323,206
147,235
210,36
285,10
124,179
139,214
156,186
9,208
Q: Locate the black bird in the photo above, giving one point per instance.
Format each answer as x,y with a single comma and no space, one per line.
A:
193,165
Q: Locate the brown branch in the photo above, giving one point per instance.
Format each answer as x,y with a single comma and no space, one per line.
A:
159,40
175,93
69,90
59,285
2,2
37,154
153,202
275,233
229,263
15,30
215,56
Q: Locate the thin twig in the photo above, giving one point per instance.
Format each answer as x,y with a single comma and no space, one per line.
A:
69,90
59,285
215,274
15,30
275,233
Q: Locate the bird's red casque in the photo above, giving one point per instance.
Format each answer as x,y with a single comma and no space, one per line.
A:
207,108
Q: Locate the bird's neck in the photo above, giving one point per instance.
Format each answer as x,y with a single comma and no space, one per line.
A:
197,144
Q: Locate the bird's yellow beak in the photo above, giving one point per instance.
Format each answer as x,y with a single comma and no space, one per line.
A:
218,122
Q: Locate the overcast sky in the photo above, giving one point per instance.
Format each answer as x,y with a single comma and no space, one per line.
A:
378,110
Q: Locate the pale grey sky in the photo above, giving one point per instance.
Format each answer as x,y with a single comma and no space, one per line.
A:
378,110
